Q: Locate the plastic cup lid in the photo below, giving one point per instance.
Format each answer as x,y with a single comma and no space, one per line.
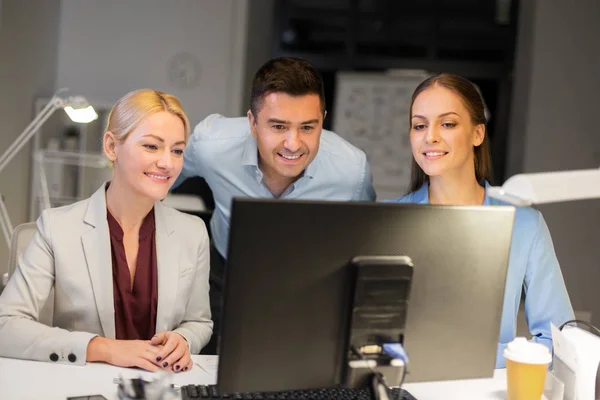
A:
523,351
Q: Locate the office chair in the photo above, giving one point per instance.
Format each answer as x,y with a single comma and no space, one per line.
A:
193,197
22,234
190,204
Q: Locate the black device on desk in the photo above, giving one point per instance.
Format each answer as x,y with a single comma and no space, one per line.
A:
287,274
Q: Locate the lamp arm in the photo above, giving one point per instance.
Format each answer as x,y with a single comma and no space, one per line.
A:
5,224
43,183
54,104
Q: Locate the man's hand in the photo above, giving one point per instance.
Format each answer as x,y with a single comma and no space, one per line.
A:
175,352
124,353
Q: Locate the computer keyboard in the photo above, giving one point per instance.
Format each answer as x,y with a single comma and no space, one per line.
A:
211,392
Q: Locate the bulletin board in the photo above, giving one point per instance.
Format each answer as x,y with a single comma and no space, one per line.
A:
371,111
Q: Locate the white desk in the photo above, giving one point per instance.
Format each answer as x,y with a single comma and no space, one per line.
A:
26,380
472,389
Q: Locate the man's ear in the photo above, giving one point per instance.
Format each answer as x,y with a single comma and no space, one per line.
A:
252,121
479,135
109,144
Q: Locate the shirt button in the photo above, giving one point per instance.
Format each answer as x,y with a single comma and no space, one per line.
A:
54,357
72,357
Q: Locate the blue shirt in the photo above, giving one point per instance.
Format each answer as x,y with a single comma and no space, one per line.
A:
224,152
532,266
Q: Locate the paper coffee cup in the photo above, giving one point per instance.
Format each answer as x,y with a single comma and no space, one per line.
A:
526,367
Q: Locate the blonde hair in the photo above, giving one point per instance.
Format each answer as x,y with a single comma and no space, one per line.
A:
131,109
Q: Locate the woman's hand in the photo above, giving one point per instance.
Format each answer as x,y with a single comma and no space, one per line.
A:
175,352
124,353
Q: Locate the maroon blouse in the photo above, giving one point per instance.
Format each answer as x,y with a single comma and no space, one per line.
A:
135,310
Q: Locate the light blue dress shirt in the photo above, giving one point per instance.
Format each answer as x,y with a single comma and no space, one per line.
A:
224,152
532,266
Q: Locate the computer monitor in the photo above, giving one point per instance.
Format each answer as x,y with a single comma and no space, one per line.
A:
287,273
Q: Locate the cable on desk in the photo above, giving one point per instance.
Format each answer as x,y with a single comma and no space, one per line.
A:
396,350
594,330
393,350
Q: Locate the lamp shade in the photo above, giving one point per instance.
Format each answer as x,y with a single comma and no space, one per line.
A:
79,110
81,115
549,187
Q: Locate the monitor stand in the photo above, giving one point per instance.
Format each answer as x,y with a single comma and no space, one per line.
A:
379,292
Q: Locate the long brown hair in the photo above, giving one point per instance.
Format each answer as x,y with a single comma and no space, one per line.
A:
473,101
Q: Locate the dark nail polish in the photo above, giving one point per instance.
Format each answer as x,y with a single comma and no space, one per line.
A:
177,367
165,364
158,358
185,369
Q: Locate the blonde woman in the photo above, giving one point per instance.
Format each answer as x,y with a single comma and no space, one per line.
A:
130,275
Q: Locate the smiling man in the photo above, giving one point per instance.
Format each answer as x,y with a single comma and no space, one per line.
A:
279,151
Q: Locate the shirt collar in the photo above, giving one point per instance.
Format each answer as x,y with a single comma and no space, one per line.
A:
250,154
490,201
422,195
311,169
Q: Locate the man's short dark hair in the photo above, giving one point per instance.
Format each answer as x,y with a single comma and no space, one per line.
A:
289,75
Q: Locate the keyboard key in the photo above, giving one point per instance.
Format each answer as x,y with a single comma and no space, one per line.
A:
204,392
214,392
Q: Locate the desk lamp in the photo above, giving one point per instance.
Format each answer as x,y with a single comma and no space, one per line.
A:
549,187
78,110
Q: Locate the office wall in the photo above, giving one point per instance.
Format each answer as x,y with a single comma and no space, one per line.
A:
554,126
193,49
198,50
259,42
28,48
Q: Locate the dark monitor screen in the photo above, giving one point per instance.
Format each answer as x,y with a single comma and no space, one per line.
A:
286,280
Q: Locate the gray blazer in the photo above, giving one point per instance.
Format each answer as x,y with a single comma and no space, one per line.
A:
71,252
